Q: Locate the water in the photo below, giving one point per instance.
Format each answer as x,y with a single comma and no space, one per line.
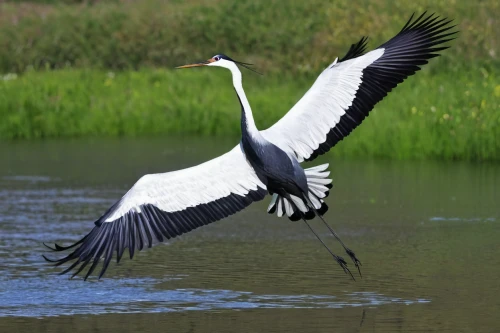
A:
427,234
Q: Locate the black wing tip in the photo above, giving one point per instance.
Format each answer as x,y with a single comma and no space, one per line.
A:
356,49
48,260
50,248
57,247
422,37
135,231
429,22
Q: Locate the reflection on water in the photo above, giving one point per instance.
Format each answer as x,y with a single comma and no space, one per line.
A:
56,298
427,234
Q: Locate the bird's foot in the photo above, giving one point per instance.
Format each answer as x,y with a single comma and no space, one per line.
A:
343,264
354,259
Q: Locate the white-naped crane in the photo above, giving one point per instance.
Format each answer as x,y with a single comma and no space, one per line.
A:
163,206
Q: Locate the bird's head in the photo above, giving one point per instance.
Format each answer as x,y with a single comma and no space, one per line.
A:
220,60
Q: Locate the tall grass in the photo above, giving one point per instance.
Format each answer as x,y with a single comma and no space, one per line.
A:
280,36
444,115
106,84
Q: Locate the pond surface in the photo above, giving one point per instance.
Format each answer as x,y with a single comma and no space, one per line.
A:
427,233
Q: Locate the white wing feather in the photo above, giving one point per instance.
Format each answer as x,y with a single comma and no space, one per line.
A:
305,126
175,191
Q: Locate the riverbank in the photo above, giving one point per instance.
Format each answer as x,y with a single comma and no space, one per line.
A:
433,115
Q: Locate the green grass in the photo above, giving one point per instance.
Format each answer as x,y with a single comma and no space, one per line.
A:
436,114
278,36
106,84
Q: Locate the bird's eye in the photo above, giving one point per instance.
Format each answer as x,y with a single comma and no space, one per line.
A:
216,58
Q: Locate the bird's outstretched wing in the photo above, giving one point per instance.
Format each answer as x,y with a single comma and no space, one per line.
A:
347,90
162,206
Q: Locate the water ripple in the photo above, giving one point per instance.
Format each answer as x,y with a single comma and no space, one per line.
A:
459,219
37,297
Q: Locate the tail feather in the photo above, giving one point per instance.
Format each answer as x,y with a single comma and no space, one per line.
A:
317,174
316,192
280,207
294,207
299,203
271,209
317,168
315,201
288,207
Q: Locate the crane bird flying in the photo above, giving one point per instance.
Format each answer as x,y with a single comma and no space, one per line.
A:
163,206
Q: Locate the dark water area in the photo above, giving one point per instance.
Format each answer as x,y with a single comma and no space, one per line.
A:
427,233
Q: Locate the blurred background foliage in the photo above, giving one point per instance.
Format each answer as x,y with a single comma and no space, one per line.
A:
103,68
280,36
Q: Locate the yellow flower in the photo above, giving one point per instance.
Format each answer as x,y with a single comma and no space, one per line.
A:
497,91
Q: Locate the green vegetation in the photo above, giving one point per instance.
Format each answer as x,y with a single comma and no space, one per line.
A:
445,115
112,78
278,36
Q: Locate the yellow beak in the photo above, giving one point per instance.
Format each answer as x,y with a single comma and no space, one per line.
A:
197,64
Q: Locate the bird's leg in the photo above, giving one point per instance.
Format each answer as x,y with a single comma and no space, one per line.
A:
351,253
338,259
